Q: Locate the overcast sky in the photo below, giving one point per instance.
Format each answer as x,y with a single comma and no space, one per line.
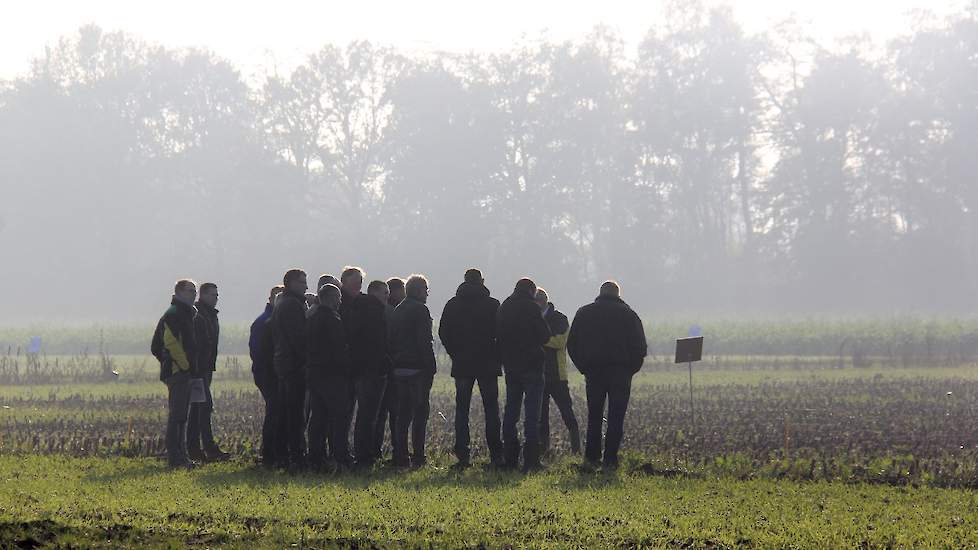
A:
268,35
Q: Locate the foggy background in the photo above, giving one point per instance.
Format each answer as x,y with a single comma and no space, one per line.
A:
712,169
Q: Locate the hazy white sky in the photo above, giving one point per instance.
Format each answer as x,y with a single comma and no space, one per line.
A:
264,35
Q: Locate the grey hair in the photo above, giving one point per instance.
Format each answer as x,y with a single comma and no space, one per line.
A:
414,285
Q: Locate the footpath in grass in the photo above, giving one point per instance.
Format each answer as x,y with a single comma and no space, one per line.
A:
60,501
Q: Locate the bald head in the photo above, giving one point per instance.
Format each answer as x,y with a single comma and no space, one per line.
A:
610,289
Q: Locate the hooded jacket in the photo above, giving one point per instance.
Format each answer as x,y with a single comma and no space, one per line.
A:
467,329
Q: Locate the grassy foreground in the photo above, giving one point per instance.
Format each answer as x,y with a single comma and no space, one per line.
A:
60,501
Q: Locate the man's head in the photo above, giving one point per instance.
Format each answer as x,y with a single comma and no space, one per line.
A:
379,290
185,290
396,287
351,280
542,299
610,289
330,296
474,277
312,299
276,290
416,288
327,279
526,286
208,294
295,281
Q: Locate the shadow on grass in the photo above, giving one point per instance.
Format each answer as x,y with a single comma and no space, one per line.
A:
565,476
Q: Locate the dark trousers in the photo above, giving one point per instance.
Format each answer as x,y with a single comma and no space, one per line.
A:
560,393
386,414
329,401
523,389
178,409
489,390
292,395
413,407
369,392
615,389
200,434
274,447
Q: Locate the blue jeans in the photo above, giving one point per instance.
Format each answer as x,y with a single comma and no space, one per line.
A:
526,389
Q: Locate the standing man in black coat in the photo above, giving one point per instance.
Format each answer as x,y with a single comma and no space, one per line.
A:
522,333
413,353
175,346
329,371
261,347
607,344
366,323
388,405
289,326
468,331
200,434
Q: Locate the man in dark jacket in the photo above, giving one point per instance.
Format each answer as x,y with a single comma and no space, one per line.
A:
289,326
261,347
200,434
365,321
555,376
388,405
607,344
468,331
174,345
329,371
522,332
414,369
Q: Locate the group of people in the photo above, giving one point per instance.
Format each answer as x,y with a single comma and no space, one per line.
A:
340,358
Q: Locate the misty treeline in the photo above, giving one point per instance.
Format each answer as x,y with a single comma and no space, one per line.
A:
709,170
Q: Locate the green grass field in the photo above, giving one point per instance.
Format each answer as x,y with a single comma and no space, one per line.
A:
60,501
797,456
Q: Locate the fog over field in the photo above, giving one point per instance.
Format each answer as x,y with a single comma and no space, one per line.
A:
713,165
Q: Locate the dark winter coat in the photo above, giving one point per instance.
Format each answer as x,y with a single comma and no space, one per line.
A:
261,346
467,329
607,337
208,331
289,328
521,332
365,321
411,341
327,349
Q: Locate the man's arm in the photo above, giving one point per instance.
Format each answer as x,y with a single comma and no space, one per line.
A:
445,326
638,344
425,340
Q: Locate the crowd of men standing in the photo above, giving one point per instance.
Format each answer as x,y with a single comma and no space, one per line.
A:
341,358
